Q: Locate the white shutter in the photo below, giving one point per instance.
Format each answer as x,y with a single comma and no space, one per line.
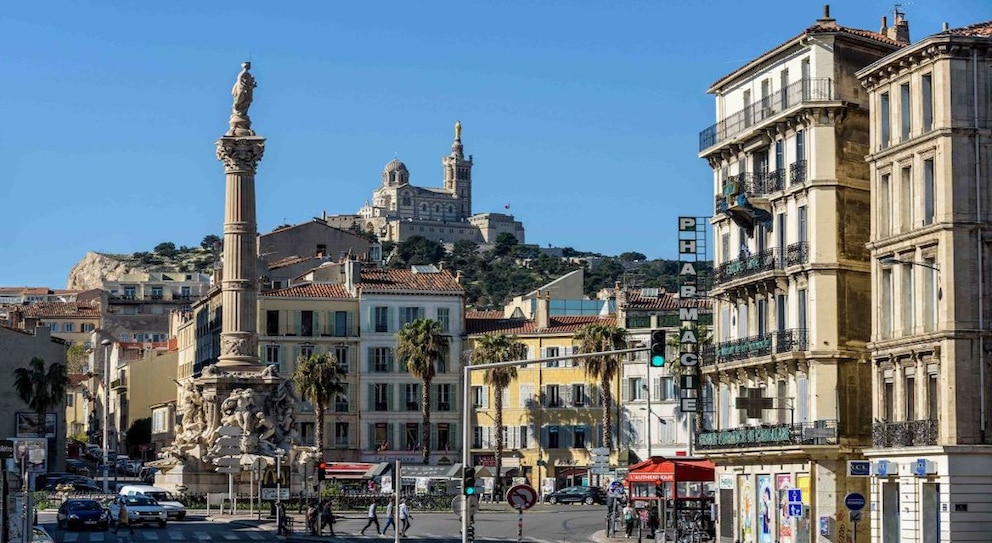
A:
625,390
724,421
506,397
485,397
570,363
802,397
526,395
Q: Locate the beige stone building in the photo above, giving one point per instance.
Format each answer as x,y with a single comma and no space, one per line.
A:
931,449
792,286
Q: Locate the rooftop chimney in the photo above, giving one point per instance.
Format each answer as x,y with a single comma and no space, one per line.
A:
541,316
899,31
826,20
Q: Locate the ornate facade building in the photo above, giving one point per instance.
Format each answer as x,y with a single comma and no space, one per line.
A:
400,210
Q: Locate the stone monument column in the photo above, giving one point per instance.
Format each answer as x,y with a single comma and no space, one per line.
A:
240,149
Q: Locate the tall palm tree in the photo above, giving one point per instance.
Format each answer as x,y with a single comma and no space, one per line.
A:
421,343
593,338
498,348
319,379
42,388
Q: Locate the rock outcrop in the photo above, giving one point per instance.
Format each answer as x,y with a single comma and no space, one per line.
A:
94,268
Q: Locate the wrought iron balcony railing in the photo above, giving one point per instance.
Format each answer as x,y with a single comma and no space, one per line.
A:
747,265
911,433
782,341
797,253
797,172
764,108
821,432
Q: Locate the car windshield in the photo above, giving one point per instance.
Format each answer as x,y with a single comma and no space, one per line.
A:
86,505
160,496
139,500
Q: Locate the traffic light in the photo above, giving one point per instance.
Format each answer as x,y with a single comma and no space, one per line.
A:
657,348
468,481
321,471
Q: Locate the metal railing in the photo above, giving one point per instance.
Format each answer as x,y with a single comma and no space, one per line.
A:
797,253
820,432
797,172
746,265
781,341
911,433
764,108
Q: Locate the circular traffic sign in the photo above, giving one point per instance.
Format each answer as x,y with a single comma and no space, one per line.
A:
854,501
521,496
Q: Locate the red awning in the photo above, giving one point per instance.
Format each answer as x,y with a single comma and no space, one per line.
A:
349,470
665,469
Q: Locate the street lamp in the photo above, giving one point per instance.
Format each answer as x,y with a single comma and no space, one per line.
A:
891,260
106,415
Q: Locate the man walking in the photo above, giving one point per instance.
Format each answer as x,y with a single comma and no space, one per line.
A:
389,518
404,518
326,519
373,518
122,519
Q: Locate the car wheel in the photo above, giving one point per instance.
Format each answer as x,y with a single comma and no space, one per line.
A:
161,524
552,500
588,500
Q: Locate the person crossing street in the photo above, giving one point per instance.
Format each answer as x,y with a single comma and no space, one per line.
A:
389,518
373,518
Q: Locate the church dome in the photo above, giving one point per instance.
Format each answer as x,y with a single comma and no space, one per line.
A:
394,165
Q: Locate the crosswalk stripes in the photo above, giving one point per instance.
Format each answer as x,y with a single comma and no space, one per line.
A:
168,535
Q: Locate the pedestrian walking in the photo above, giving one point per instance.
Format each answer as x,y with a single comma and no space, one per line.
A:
404,518
123,519
326,519
313,519
389,518
628,519
280,519
373,518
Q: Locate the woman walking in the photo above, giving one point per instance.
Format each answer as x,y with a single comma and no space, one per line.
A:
404,518
122,518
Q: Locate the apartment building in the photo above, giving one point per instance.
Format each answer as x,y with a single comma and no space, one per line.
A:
792,286
931,452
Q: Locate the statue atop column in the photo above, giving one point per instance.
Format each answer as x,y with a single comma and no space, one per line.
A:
243,92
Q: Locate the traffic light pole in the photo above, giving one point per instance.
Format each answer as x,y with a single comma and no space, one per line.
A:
467,369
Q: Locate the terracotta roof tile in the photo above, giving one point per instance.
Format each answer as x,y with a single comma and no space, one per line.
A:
77,378
484,314
311,290
61,309
556,325
977,29
664,301
387,280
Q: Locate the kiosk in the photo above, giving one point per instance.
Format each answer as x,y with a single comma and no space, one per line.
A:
681,487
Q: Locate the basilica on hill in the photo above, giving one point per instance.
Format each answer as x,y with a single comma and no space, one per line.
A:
400,210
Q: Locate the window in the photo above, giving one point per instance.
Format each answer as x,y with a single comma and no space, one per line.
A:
411,396
910,398
667,391
932,397
156,293
884,135
340,324
784,87
272,323
908,307
341,400
552,396
185,292
69,399
444,317
87,327
801,220
886,304
725,247
579,395
926,97
553,437
930,290
800,146
579,437
477,437
68,327
761,315
380,396
307,321
928,192
523,436
273,356
444,396
411,436
443,437
380,436
306,350
801,315
884,206
381,359
780,159
888,397
341,354
341,435
480,397
906,199
906,111
410,314
638,321
636,389
526,396
381,319
160,421
550,352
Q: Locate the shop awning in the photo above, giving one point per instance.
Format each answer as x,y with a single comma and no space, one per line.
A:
659,468
354,470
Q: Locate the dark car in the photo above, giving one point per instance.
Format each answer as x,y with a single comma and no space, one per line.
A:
578,494
77,467
75,514
78,483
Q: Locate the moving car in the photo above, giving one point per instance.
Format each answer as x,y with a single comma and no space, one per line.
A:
173,507
74,514
140,509
578,494
75,480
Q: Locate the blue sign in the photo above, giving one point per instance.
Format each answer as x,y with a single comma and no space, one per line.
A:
854,501
882,468
858,468
920,467
795,495
795,509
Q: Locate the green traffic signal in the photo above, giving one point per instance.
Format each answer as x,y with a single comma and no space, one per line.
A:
657,348
657,361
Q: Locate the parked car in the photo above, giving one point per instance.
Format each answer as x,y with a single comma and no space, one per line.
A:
141,509
578,494
74,514
76,480
39,535
94,452
173,507
77,467
120,463
147,474
133,467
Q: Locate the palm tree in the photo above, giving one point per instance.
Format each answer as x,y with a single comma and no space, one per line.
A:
498,348
421,343
599,338
319,379
704,338
41,388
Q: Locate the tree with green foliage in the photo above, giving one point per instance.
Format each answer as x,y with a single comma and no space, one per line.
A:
41,387
166,248
209,241
319,380
75,358
420,344
498,348
631,256
418,250
593,338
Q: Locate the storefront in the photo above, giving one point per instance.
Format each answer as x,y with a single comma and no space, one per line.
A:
684,488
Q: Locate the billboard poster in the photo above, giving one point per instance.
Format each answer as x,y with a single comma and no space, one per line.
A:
27,425
783,482
766,508
746,500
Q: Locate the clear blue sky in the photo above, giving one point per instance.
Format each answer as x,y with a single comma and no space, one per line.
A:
582,115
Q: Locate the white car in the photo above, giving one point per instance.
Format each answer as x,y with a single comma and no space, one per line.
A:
140,509
173,507
39,535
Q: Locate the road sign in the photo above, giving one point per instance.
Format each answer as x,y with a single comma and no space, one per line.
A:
855,516
599,451
228,462
458,505
521,497
228,470
6,448
854,501
859,468
795,495
795,509
269,493
599,470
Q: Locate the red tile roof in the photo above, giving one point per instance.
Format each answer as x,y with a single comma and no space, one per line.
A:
310,290
663,301
977,29
484,314
61,309
77,378
386,280
556,325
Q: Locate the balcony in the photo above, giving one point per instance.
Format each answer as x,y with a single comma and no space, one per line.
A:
782,341
747,265
761,111
444,406
821,432
913,433
381,406
412,406
797,172
797,253
340,407
119,384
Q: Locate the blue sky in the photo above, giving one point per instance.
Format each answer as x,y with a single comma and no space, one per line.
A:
582,116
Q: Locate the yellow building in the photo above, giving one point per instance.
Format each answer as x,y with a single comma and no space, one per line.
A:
551,411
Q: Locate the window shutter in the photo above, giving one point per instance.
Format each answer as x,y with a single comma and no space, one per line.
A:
297,323
371,442
485,397
434,395
453,399
369,359
390,319
350,323
802,395
506,397
389,397
625,390
316,324
568,363
657,392
391,364
565,437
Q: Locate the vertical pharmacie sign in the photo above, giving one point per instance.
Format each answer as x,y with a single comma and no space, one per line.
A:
691,240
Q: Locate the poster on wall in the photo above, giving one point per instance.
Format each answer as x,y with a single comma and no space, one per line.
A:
783,482
28,425
766,508
746,499
803,528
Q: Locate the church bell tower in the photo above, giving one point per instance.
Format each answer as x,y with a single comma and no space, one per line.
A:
458,175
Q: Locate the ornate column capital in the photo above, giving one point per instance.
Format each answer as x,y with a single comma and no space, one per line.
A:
240,155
